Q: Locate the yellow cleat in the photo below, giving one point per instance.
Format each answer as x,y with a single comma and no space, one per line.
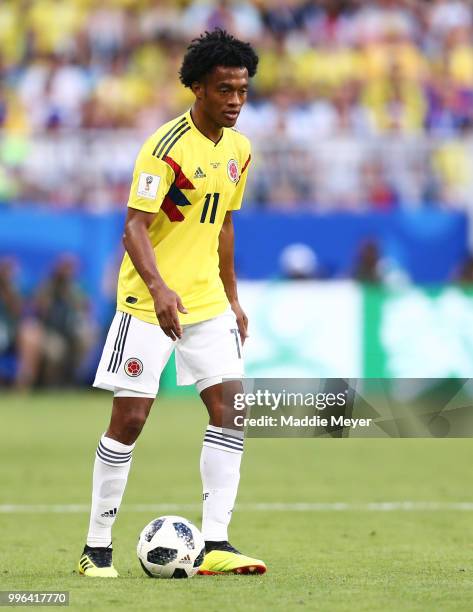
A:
97,563
227,560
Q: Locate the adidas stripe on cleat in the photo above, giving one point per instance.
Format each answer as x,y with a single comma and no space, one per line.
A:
97,563
110,513
222,558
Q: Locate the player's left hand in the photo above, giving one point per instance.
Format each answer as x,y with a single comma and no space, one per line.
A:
242,321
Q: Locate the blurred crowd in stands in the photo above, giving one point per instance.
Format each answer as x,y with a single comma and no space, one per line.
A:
46,337
357,104
50,336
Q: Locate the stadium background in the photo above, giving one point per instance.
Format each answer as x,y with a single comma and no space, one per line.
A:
361,119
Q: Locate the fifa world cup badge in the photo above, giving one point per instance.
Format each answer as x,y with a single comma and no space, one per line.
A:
148,185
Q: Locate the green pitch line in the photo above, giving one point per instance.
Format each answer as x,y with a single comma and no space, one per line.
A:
314,510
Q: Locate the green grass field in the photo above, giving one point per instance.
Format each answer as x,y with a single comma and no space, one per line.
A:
357,557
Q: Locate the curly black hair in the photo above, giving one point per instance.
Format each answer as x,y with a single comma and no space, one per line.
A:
216,48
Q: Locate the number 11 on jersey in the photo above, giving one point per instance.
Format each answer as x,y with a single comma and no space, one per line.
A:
213,212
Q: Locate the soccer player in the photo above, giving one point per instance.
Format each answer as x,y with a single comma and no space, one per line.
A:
177,291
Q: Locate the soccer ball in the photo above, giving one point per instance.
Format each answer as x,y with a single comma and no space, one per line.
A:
170,547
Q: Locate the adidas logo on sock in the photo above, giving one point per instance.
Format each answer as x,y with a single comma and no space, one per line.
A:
110,513
199,173
186,559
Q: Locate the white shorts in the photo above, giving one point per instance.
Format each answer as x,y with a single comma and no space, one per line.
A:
136,352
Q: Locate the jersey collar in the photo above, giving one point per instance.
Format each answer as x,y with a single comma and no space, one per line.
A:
196,130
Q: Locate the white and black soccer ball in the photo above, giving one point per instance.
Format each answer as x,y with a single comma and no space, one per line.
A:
171,547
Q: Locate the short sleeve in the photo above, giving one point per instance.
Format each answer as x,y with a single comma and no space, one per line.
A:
237,198
152,179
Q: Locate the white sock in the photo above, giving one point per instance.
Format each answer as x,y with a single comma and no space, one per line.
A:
220,470
112,464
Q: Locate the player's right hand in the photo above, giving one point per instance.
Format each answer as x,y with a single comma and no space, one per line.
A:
166,305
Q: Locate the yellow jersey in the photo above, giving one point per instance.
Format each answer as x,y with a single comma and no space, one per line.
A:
190,182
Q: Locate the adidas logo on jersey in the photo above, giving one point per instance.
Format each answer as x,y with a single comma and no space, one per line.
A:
110,513
186,559
199,173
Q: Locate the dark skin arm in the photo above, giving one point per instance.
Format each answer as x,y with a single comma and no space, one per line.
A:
227,274
138,245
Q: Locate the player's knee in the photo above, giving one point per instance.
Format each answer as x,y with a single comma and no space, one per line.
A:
133,422
127,422
223,415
